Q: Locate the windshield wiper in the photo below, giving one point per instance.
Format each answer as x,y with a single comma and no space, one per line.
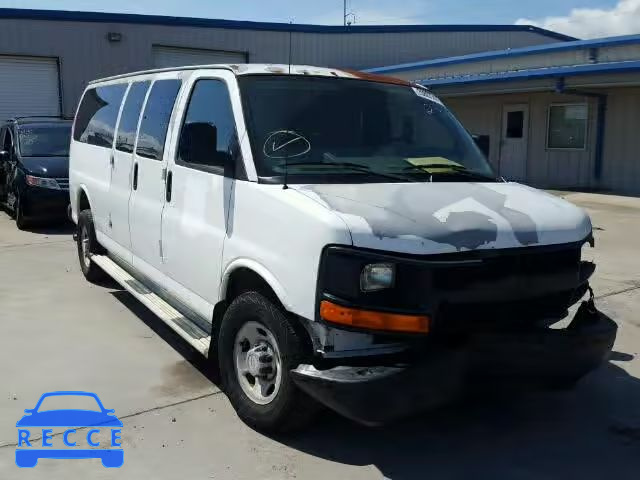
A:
356,167
452,170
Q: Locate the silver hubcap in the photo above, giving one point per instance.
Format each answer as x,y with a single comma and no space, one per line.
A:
84,243
257,362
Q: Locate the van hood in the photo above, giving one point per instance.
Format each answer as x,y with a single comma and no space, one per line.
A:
55,167
429,218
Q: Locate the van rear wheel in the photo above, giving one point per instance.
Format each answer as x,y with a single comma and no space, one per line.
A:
257,348
88,246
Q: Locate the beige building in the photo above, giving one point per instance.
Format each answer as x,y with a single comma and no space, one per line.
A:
565,115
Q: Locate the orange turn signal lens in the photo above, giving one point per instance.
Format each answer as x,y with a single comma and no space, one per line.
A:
354,317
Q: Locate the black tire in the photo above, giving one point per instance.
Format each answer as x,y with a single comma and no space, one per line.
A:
290,409
561,384
22,222
90,270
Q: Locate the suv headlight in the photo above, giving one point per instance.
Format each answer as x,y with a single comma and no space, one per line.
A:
42,182
377,276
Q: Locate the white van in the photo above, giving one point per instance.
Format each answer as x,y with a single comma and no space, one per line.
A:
327,237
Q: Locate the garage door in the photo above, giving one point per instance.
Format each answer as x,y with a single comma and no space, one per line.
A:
164,57
28,86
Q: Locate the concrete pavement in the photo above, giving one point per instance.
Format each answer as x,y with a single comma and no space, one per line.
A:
59,332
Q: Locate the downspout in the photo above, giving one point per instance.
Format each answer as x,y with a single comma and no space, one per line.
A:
601,117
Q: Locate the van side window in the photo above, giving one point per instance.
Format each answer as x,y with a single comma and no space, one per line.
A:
157,113
96,118
208,136
130,116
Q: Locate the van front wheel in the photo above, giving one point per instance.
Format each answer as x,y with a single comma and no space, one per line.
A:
257,348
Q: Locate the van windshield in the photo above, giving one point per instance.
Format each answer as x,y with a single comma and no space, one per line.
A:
337,130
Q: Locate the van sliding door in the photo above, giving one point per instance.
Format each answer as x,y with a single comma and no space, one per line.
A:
122,167
148,176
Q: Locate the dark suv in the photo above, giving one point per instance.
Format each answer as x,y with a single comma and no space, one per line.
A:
34,168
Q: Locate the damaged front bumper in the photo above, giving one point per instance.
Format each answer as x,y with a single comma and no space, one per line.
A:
375,395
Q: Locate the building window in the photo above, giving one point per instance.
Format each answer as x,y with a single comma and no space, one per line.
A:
567,128
515,124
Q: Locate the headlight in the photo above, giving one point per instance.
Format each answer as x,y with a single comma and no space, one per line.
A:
377,276
354,277
42,182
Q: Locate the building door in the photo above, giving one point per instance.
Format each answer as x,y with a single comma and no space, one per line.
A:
28,86
513,149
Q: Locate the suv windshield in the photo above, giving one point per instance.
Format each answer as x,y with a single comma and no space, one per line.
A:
45,140
336,130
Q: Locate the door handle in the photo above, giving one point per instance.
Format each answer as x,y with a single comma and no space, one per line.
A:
168,187
135,176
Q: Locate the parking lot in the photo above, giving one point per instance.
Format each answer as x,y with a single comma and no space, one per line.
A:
58,332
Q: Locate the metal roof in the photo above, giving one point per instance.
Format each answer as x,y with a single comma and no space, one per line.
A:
549,72
64,15
512,52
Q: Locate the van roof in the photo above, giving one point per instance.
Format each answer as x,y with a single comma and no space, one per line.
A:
240,69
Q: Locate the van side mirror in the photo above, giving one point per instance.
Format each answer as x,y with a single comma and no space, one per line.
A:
199,145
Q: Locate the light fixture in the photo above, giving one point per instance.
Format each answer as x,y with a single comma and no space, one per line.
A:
114,36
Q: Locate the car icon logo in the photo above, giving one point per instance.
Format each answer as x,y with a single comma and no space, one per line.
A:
97,420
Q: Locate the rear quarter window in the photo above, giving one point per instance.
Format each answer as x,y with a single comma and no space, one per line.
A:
96,118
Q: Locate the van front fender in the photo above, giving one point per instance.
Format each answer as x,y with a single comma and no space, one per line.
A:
258,269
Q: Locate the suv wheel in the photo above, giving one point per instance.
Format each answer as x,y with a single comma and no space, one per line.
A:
88,246
257,348
21,220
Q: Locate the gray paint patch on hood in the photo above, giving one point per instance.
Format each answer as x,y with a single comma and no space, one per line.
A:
399,210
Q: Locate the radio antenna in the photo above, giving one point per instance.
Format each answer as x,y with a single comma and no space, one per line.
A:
290,44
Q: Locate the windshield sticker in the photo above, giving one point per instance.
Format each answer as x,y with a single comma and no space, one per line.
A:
424,93
285,144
